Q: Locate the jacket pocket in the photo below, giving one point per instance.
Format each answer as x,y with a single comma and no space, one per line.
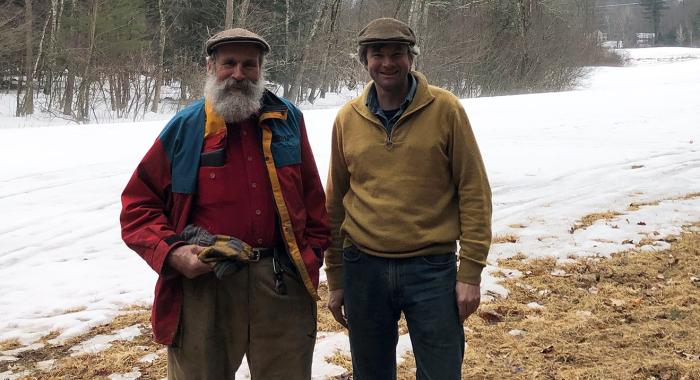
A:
215,158
286,150
211,186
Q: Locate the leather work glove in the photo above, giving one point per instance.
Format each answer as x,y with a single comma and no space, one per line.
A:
225,254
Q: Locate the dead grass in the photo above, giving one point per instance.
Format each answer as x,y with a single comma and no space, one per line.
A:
10,344
589,219
637,205
121,357
634,206
634,316
341,360
504,238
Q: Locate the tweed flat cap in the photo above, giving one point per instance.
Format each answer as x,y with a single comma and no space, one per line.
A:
386,30
236,35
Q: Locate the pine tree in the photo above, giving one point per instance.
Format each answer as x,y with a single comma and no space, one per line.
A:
653,9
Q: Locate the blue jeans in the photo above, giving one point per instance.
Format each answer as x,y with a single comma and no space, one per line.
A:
377,290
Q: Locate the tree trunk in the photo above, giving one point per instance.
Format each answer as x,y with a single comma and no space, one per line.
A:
70,77
40,50
285,82
228,17
243,13
296,85
332,40
28,104
84,88
414,14
51,54
161,53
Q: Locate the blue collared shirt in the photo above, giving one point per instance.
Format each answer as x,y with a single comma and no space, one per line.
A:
388,120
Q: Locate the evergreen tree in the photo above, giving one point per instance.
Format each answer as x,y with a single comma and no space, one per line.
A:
653,9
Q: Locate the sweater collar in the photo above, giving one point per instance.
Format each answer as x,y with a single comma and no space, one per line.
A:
422,97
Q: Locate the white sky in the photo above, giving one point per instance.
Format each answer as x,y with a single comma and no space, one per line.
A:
628,134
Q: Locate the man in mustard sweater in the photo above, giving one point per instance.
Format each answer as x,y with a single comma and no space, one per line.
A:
406,181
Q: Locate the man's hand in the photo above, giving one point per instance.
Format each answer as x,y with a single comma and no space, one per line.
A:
184,259
468,298
335,305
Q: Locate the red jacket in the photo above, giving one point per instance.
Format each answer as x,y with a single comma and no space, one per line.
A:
158,199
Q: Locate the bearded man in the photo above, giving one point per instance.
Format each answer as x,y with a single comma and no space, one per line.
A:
238,166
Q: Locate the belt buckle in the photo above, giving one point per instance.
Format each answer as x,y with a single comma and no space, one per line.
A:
254,255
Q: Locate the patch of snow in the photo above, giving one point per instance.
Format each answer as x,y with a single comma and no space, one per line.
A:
150,358
103,342
133,375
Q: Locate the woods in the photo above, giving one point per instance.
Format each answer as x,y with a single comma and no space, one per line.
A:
77,59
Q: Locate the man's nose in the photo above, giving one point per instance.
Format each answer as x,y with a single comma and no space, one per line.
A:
237,72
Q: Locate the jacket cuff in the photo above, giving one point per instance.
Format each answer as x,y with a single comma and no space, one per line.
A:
334,278
469,272
162,251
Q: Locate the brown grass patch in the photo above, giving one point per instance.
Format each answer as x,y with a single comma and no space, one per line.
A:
9,344
504,238
633,316
121,357
589,219
341,360
690,196
634,206
76,309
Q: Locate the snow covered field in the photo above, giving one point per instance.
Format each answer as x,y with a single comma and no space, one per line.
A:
627,135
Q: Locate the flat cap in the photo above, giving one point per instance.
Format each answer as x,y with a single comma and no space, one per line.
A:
386,30
236,35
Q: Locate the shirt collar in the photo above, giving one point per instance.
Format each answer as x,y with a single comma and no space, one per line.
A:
373,102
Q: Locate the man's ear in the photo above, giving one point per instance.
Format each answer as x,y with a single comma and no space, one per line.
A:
210,65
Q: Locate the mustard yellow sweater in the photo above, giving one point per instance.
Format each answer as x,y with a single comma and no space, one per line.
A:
414,192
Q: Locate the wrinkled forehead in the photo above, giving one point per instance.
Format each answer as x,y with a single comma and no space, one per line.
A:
389,47
237,50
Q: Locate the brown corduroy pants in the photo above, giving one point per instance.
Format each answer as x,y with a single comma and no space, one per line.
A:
241,314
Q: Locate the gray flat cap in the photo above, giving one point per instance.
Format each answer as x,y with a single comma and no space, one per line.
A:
236,35
386,30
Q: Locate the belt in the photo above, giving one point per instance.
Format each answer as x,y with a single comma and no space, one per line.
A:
261,253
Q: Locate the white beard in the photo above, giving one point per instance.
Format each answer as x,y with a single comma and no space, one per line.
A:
234,100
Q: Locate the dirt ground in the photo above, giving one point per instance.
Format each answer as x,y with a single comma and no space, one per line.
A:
634,316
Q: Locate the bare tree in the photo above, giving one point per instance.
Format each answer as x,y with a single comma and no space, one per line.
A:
28,103
84,88
71,67
296,85
228,18
243,13
161,53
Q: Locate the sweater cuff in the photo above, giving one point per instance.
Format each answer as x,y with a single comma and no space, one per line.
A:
469,272
334,278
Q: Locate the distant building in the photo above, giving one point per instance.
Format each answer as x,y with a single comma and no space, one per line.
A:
645,39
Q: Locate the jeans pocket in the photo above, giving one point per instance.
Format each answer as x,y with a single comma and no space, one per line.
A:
444,259
351,255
